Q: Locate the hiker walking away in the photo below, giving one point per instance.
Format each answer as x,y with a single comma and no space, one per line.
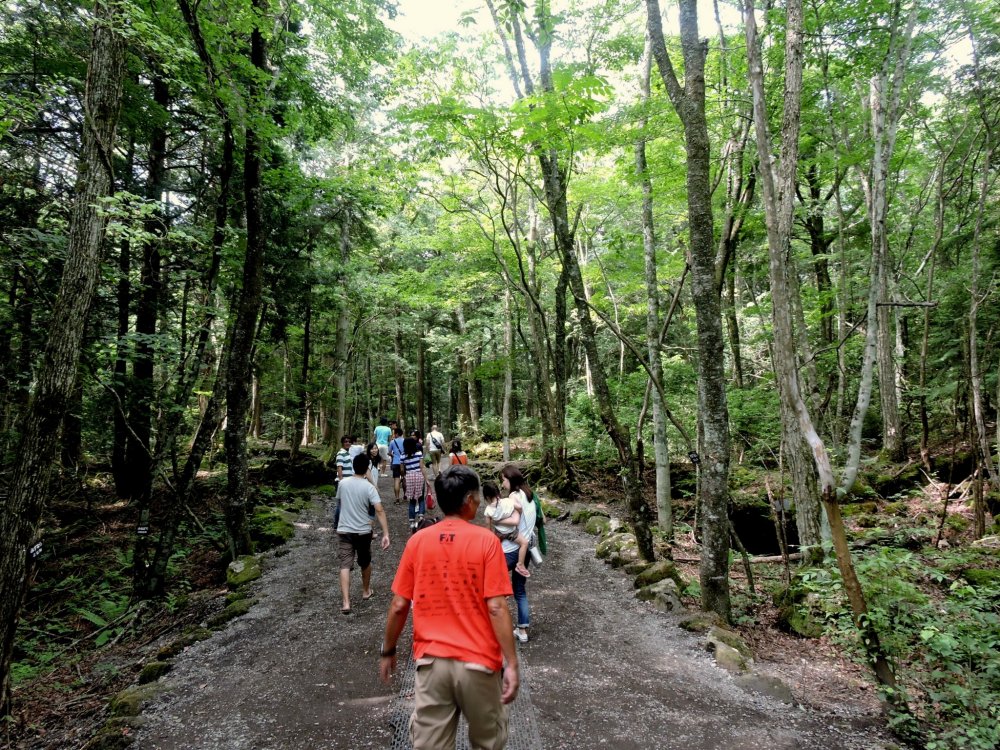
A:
354,530
415,480
396,454
513,481
435,449
457,456
382,437
461,624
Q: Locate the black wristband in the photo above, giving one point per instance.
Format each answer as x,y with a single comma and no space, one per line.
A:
384,652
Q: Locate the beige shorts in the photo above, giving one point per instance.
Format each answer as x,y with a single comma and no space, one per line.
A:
446,688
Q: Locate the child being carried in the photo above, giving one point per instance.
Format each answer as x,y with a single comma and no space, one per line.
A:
504,515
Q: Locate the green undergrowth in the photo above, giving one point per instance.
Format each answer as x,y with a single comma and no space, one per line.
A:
937,615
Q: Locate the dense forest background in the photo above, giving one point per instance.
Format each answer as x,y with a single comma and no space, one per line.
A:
758,243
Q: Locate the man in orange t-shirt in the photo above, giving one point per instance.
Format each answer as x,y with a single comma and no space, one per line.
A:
454,576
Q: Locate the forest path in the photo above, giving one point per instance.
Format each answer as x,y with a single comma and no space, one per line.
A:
603,669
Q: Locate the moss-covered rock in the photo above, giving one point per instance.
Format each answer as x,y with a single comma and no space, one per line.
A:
607,547
116,733
663,595
866,520
982,576
731,639
129,701
699,622
855,509
553,509
187,639
635,568
799,612
234,610
729,658
583,514
657,572
598,525
153,671
242,571
270,528
897,509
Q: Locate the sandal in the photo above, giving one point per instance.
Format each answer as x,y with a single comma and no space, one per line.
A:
345,611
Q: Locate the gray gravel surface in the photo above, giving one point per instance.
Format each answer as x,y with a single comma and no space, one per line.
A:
605,670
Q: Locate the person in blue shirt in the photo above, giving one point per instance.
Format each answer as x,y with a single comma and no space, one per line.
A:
396,452
382,436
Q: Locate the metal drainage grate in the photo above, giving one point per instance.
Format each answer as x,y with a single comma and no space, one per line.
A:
522,731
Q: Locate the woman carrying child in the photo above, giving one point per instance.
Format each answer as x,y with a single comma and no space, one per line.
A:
504,515
513,481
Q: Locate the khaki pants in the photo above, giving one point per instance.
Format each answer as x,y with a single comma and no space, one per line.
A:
445,688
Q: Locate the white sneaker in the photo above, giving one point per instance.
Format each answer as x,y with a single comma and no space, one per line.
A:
521,634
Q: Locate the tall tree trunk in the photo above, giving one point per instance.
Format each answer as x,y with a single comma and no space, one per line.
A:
975,370
302,400
248,305
21,509
343,328
421,366
884,105
778,196
508,369
713,410
397,342
142,390
664,509
119,438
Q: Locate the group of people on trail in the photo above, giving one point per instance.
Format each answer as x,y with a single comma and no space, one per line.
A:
454,576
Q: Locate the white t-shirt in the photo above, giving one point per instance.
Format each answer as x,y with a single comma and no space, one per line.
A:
500,512
355,495
431,437
525,527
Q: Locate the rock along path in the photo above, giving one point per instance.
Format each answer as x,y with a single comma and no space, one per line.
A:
603,670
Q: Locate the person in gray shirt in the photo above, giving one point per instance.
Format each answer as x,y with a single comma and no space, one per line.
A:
354,529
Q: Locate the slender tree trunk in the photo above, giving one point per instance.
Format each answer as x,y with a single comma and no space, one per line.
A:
397,342
508,369
778,195
713,411
885,113
664,509
20,510
302,400
343,330
248,307
142,389
421,385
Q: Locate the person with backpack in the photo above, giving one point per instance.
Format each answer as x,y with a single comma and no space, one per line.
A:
396,454
435,449
382,437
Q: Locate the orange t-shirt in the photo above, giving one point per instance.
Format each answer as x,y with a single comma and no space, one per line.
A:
448,571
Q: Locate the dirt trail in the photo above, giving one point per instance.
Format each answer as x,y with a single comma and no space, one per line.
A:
604,669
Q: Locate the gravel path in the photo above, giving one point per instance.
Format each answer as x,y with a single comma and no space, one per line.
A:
604,670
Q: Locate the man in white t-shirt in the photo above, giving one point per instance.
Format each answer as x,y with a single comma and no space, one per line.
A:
354,529
434,445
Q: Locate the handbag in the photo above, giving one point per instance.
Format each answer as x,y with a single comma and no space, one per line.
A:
429,502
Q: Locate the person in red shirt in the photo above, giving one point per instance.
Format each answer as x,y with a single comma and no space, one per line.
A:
453,575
